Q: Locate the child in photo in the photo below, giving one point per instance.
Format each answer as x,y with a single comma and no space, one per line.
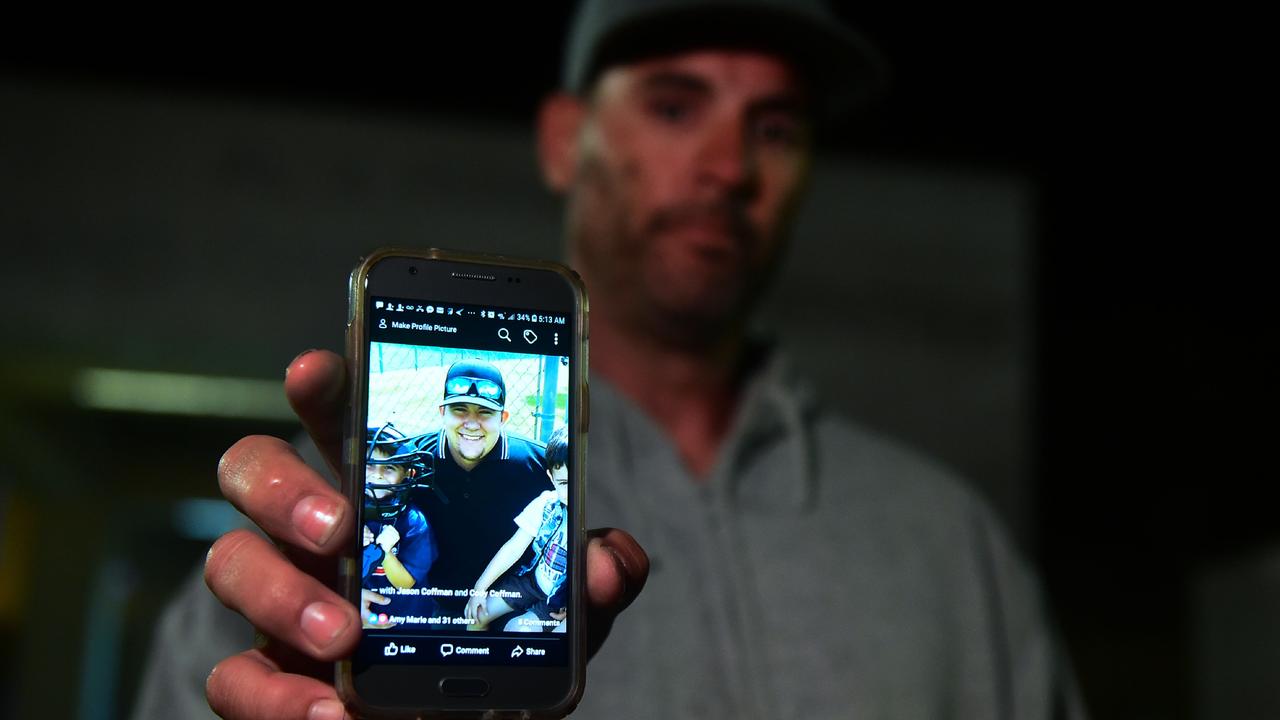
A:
536,590
399,546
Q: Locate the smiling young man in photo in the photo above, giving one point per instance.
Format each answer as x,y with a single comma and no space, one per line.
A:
482,472
472,411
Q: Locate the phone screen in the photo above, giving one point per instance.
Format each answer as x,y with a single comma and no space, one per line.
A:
466,525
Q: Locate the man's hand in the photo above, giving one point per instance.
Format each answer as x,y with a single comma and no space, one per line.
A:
287,594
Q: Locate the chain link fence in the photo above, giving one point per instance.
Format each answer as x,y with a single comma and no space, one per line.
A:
406,384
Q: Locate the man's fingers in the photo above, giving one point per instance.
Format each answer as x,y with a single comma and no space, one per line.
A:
315,384
617,568
251,577
266,480
249,686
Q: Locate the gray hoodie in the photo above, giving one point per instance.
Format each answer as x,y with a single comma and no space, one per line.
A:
819,572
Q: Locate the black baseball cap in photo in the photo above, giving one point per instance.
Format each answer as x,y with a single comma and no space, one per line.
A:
474,381
843,69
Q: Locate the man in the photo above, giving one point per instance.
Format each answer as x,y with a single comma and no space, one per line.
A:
481,473
801,566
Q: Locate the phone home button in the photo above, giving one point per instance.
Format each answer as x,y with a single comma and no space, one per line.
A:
464,687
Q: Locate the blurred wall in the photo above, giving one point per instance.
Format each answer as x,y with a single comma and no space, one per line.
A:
1235,636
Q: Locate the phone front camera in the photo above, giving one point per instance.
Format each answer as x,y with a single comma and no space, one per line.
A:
413,270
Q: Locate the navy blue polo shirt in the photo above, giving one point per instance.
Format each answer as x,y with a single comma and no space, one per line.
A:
472,513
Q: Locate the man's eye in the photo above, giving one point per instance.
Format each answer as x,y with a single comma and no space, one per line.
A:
787,132
670,111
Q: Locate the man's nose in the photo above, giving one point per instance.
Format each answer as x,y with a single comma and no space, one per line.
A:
727,159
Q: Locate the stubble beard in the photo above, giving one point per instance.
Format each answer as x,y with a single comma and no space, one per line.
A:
653,288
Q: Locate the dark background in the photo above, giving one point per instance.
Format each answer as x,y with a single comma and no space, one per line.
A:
1136,133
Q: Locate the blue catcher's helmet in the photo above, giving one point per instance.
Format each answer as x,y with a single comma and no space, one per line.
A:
385,501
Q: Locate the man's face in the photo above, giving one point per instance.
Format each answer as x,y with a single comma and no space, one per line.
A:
472,431
560,480
383,474
688,171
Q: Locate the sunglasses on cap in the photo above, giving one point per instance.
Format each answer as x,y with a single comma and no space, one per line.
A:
463,385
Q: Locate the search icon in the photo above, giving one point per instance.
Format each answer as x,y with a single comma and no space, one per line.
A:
504,335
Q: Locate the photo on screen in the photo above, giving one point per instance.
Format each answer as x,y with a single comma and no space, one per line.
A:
465,516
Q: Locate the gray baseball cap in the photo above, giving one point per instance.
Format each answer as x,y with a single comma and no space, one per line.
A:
844,70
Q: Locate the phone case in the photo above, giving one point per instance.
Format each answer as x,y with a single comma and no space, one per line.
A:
349,577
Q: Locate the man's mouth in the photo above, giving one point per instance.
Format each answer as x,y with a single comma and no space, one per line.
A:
473,438
712,232
714,228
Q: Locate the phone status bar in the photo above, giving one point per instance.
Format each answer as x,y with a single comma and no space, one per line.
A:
422,322
396,306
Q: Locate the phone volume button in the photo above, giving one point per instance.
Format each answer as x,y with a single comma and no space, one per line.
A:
586,405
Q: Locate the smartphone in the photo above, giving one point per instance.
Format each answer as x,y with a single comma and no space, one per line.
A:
465,447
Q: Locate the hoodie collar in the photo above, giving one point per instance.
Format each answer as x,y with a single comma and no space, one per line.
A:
773,420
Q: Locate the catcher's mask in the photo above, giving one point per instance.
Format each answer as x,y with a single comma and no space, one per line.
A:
386,501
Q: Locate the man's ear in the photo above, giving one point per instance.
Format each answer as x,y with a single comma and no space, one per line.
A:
559,122
505,415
